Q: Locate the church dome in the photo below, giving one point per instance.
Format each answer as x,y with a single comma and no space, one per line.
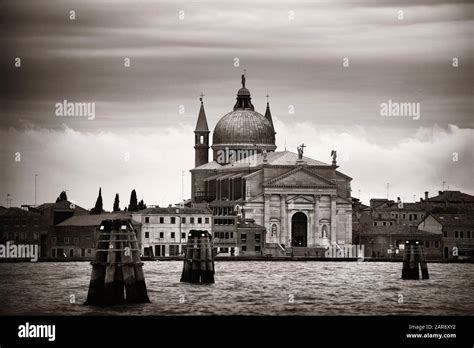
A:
243,127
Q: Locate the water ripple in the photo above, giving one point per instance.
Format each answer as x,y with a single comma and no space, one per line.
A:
248,288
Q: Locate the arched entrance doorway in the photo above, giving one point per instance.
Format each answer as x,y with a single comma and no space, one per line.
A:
299,230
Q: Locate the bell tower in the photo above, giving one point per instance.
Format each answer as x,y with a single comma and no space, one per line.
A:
201,138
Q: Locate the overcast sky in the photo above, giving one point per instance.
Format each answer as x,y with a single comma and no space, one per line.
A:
293,51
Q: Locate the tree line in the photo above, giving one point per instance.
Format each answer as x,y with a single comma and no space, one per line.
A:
134,204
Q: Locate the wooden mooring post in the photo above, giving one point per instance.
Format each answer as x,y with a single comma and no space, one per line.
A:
117,266
414,259
198,264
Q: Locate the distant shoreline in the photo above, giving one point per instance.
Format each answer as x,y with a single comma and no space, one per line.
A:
247,258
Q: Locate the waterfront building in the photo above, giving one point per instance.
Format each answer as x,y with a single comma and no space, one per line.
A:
299,201
76,237
165,230
53,214
385,212
389,241
19,226
456,231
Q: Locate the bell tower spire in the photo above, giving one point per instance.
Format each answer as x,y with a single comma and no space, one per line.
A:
268,114
201,137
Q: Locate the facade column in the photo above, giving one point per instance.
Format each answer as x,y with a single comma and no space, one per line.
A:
288,232
266,218
282,233
333,220
317,217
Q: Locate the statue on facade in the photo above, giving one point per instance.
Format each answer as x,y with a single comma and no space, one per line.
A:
243,80
334,156
274,230
325,231
300,151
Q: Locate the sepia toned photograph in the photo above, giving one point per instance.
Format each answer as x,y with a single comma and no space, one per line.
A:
233,164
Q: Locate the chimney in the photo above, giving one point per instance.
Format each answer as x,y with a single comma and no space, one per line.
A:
426,195
440,192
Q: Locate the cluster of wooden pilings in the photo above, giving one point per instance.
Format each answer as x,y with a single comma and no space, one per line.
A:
414,259
198,261
117,266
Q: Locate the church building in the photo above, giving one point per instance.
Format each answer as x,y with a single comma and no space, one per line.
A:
300,202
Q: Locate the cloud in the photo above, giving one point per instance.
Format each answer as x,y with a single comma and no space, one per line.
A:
83,162
411,165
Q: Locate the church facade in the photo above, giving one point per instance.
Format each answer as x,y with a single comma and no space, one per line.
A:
300,201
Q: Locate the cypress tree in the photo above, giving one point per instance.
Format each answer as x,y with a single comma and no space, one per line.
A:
133,206
116,203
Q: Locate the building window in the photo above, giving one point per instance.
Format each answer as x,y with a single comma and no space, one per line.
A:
53,241
257,248
183,235
375,223
183,220
206,220
257,237
162,220
403,216
391,223
445,234
66,240
415,216
53,252
201,139
384,223
244,248
461,234
227,235
199,220
243,237
147,234
456,235
173,235
436,244
173,220
468,234
162,235
192,220
147,220
427,243
380,216
231,235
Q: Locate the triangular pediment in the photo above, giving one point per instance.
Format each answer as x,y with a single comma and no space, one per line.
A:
298,199
299,177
